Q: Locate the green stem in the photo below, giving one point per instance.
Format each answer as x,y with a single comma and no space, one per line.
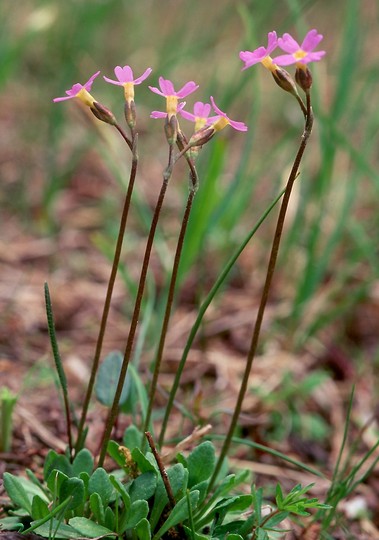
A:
203,308
137,308
170,298
266,289
111,282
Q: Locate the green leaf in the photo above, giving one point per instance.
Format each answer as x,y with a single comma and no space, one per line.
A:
110,519
62,530
178,514
97,508
142,530
122,491
203,490
257,502
234,537
74,488
55,481
112,450
201,463
132,438
138,511
276,519
55,461
100,483
107,380
88,528
17,492
144,465
39,508
83,462
178,477
143,487
11,523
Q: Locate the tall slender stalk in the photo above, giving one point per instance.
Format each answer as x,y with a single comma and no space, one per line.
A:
266,288
137,308
202,310
169,303
111,282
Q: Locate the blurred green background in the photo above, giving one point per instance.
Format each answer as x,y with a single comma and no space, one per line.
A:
62,171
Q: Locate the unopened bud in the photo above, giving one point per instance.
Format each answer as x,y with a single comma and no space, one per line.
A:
171,129
103,114
130,113
284,80
303,77
202,136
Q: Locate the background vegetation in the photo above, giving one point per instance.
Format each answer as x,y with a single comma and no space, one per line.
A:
63,175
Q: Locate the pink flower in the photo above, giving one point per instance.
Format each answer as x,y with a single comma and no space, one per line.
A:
125,76
299,54
167,90
200,115
225,120
262,54
80,91
126,79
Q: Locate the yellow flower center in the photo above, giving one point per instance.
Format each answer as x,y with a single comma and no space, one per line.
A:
299,55
129,91
199,122
221,123
171,105
85,97
269,64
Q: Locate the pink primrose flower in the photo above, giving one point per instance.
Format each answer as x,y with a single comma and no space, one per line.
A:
167,90
80,91
262,54
225,120
125,76
200,115
299,54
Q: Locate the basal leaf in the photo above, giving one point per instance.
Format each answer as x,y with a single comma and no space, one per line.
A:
83,462
89,529
100,483
143,487
107,379
17,492
201,463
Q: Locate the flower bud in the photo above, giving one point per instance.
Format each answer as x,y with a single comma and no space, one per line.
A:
202,136
303,77
130,113
284,80
171,129
103,114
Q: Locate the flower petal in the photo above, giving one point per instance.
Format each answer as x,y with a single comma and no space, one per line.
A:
288,44
239,126
158,114
285,60
157,91
88,84
311,40
112,81
272,42
143,76
201,109
187,89
167,87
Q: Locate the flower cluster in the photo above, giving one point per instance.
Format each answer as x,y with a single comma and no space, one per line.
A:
206,125
296,54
